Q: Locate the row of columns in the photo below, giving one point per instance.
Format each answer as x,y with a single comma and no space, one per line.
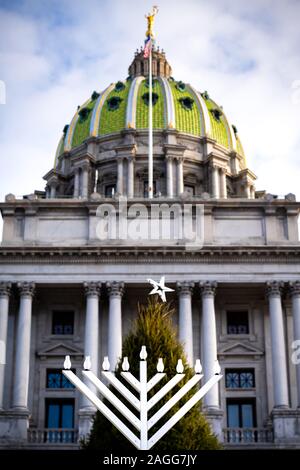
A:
218,182
115,291
81,182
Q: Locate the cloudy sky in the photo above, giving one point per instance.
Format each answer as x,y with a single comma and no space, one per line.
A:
54,53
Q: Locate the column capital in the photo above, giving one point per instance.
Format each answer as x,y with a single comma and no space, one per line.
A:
208,288
180,159
130,158
274,288
5,289
26,289
115,289
92,288
185,287
294,288
214,166
223,170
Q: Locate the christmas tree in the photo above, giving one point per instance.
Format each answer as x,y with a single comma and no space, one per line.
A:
153,327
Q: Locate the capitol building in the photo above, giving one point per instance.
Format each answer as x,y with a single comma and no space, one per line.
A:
66,291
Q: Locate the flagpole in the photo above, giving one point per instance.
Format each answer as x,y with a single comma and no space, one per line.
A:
150,139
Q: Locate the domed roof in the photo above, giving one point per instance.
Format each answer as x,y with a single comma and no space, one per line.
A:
124,104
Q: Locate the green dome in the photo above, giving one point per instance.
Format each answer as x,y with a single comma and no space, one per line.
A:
124,105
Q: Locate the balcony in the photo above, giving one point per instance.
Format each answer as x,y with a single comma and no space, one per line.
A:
257,437
53,437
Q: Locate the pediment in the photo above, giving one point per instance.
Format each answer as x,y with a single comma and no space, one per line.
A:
60,350
240,349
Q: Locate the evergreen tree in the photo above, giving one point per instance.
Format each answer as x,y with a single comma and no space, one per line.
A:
154,329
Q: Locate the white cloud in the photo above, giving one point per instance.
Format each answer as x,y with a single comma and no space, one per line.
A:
244,53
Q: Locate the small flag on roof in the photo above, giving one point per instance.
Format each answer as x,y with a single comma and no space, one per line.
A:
147,47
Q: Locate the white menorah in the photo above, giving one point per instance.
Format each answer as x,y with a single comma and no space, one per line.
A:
141,404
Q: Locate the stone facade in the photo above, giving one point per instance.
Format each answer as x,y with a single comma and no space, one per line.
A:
53,263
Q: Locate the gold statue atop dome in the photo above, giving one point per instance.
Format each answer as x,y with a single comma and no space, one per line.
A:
150,20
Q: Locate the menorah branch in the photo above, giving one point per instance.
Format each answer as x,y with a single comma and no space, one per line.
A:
164,390
183,410
102,408
170,403
122,389
154,381
113,399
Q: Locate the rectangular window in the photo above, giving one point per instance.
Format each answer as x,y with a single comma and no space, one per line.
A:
110,190
56,379
146,188
59,420
241,413
237,323
190,190
62,323
240,378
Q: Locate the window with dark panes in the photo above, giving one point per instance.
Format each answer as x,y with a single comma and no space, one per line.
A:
237,323
59,420
62,322
240,378
56,379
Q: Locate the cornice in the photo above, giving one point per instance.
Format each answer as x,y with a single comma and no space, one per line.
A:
126,255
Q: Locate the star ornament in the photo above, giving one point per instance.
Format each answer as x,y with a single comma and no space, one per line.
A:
160,288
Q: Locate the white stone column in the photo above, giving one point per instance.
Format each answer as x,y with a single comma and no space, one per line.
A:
185,290
295,294
215,182
247,191
223,187
5,289
85,182
169,161
52,190
23,336
180,183
120,176
91,334
209,341
279,365
130,177
115,291
76,184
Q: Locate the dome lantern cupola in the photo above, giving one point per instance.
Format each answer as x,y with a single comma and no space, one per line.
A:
140,65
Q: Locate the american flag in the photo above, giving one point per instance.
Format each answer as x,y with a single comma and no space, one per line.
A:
147,47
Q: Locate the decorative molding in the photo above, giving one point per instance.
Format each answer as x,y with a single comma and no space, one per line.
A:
92,288
208,288
5,289
274,288
240,349
60,350
115,289
294,288
185,288
26,289
108,254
